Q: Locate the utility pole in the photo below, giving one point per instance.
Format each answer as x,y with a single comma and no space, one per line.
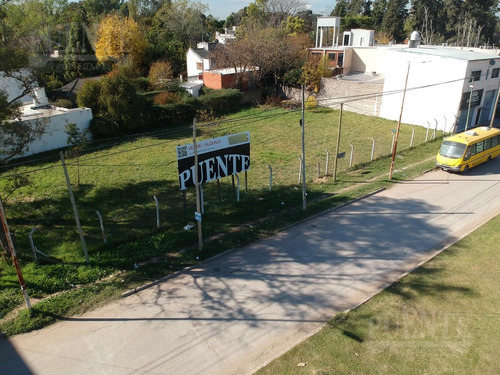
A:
197,187
10,244
303,124
399,124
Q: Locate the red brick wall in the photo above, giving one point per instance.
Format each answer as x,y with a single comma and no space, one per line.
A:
212,80
218,81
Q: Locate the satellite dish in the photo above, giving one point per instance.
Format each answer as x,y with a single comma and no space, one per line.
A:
492,62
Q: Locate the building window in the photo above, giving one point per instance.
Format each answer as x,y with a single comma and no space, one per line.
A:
476,75
199,65
494,72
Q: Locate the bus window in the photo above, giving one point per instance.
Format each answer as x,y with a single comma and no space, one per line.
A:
479,147
494,141
468,153
487,143
453,150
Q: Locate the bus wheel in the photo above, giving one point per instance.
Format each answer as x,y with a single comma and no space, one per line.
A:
489,159
466,168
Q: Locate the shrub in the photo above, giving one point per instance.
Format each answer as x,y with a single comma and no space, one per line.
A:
88,96
221,101
64,103
311,103
166,97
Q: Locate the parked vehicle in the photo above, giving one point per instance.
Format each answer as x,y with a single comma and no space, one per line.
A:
462,151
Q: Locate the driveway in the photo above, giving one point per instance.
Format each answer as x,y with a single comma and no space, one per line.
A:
236,313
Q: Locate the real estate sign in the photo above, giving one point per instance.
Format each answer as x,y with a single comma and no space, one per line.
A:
217,158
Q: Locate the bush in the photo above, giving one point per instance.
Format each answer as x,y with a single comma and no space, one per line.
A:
88,96
166,97
221,102
102,128
64,103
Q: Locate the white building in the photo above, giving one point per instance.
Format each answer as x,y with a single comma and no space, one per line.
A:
199,60
55,120
227,36
440,83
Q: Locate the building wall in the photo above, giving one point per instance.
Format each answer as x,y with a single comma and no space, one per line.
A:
57,119
435,88
367,60
334,91
192,59
212,80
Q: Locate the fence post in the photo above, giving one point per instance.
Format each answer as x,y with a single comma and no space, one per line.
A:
412,136
373,148
102,226
435,129
393,136
32,243
75,210
327,161
427,132
157,212
352,154
237,187
300,169
270,178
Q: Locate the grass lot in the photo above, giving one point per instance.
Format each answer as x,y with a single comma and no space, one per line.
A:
120,181
441,319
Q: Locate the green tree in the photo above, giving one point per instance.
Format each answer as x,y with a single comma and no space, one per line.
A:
394,19
71,60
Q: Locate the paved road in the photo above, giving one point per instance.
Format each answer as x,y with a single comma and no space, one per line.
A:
238,312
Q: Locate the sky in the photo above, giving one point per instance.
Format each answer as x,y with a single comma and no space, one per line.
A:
223,8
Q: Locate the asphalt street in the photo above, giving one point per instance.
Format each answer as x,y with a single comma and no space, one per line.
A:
236,313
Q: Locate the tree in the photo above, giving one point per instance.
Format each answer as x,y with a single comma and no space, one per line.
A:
120,38
394,19
182,21
159,74
314,69
270,49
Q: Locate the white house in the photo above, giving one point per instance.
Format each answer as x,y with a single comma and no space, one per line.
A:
199,60
227,36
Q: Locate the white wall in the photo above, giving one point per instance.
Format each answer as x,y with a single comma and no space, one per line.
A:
192,58
434,89
57,119
368,60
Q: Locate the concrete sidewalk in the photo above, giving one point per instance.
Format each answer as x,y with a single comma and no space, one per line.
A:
236,313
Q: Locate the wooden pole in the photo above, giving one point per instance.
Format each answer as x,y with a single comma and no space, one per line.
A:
12,249
399,124
197,187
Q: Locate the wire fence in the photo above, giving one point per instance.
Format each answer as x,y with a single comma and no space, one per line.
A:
128,190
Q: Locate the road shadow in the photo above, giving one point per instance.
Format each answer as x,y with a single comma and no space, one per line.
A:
11,362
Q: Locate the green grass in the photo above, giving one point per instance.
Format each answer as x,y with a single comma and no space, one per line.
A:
120,181
441,319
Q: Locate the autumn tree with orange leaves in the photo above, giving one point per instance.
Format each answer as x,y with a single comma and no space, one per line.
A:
120,39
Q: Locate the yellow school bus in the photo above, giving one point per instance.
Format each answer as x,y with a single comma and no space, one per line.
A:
462,151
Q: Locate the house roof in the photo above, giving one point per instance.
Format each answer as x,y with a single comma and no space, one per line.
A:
74,86
202,52
447,52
